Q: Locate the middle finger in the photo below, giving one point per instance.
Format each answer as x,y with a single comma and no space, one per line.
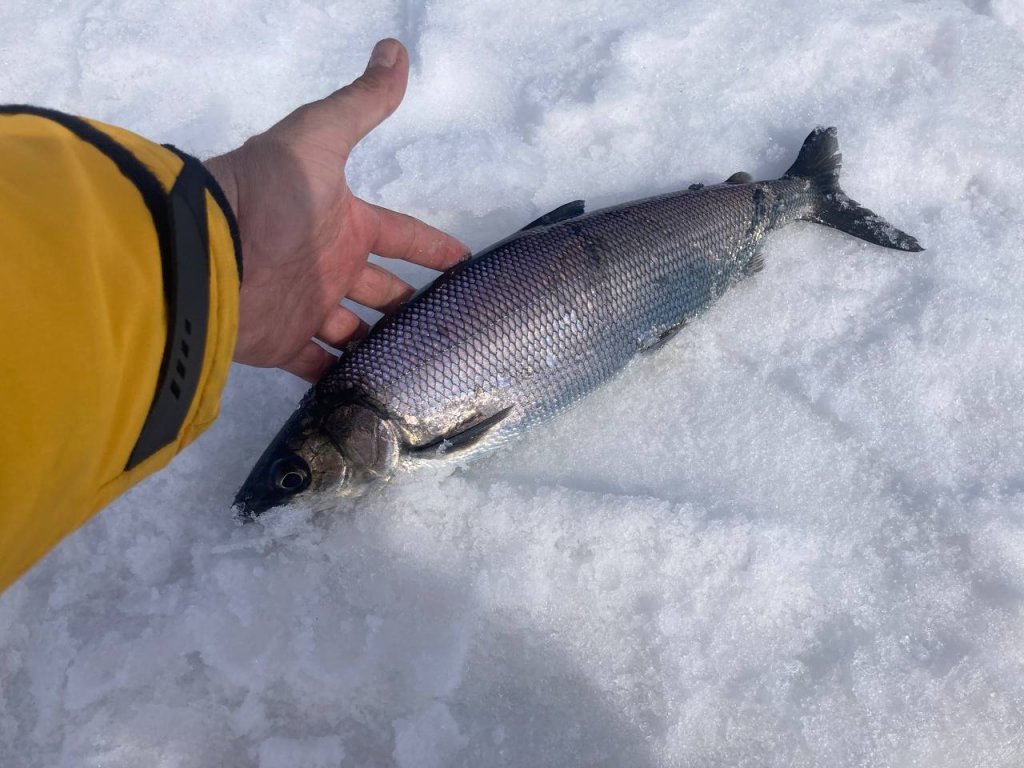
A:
379,289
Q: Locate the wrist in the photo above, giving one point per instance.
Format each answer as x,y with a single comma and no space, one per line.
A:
223,171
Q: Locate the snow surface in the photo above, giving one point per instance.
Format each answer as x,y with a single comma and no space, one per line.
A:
793,537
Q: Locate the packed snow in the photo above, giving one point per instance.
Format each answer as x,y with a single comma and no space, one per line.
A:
792,537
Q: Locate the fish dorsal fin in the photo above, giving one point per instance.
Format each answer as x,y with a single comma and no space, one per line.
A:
462,437
561,213
740,177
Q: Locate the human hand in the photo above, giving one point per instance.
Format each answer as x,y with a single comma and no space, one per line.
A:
306,237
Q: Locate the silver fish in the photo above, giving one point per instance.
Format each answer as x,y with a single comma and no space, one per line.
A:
537,321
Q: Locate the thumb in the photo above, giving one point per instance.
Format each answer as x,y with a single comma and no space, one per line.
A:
342,119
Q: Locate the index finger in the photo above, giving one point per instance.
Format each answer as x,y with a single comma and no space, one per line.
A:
405,237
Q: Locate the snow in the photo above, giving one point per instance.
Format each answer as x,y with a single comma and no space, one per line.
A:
793,536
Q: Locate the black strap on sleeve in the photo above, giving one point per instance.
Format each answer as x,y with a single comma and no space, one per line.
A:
222,202
187,288
179,218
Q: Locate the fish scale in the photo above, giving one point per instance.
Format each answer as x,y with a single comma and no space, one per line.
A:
536,322
494,332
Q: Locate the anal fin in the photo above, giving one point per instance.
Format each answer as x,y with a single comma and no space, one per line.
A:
755,265
658,337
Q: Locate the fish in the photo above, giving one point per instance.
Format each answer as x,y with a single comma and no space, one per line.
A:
529,326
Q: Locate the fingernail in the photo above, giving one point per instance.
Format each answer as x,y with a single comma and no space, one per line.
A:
385,53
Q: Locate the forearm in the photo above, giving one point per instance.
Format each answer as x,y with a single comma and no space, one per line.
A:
114,361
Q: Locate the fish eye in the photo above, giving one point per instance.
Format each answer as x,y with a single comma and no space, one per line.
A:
290,474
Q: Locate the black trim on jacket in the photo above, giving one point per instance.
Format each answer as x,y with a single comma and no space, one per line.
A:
179,219
218,194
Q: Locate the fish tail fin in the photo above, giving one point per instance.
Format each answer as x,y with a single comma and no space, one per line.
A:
819,162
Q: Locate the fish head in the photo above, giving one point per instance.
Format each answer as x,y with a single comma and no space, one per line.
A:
320,459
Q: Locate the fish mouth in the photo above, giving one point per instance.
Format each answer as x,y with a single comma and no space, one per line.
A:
240,511
255,499
247,506
247,509
258,495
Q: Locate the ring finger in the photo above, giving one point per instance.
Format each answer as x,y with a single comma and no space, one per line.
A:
340,327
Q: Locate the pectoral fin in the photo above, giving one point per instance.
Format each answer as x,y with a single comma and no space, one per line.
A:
463,436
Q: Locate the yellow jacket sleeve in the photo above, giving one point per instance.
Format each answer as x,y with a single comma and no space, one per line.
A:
119,279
